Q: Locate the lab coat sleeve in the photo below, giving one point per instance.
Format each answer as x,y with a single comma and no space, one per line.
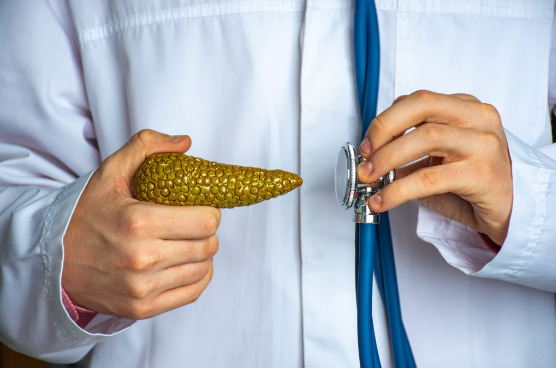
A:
528,254
47,153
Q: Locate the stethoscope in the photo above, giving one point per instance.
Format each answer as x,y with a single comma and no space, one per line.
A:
373,240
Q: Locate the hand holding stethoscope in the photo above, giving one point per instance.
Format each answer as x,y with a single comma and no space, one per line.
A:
463,172
466,171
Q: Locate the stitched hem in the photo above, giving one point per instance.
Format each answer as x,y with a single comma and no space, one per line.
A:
203,11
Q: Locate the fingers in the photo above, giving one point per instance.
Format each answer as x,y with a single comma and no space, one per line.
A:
467,97
182,275
398,99
427,140
143,144
142,293
429,107
185,222
152,221
145,299
178,297
404,171
173,252
421,184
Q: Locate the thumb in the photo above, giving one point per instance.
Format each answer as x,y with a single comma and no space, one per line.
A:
143,144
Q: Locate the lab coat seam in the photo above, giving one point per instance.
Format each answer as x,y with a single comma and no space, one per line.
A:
329,4
541,113
474,14
154,23
53,213
469,237
449,240
534,157
303,265
386,5
538,221
326,8
188,12
458,227
490,10
42,245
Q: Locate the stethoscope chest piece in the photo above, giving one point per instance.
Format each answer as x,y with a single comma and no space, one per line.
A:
350,192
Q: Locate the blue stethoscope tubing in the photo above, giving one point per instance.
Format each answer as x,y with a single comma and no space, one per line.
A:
368,237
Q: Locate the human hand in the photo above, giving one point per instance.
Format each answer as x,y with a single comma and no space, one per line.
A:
135,259
466,170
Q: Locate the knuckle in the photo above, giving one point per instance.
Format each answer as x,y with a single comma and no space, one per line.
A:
491,113
133,222
211,246
143,260
398,99
137,309
142,140
137,290
139,141
466,96
423,95
201,270
490,141
387,155
431,132
429,179
377,126
195,296
193,273
209,224
143,136
196,293
396,190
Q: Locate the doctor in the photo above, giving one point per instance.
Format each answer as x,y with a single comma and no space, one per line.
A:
86,87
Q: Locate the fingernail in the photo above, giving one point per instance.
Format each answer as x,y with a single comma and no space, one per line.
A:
176,138
366,168
377,200
365,146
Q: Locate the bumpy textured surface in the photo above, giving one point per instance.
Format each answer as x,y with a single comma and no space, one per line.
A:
179,180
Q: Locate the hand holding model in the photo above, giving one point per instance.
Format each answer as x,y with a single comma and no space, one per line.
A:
135,259
466,173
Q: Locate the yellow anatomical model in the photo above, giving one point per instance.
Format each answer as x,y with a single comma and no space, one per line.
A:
180,180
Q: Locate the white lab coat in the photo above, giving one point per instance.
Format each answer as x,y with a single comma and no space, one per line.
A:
270,84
